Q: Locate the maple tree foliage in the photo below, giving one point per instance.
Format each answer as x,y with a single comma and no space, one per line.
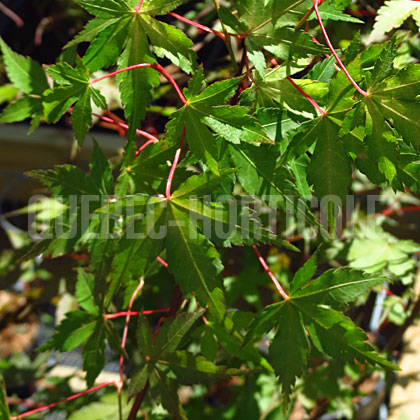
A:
285,123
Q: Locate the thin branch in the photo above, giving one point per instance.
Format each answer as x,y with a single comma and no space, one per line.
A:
127,321
174,165
137,402
272,276
73,397
157,67
327,39
12,15
309,98
389,212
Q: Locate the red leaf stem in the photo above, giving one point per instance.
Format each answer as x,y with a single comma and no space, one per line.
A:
133,313
206,28
309,98
139,6
149,136
174,165
272,276
163,262
125,332
157,67
340,63
11,14
73,397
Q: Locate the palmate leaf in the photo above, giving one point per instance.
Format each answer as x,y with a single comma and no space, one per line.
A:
397,100
164,356
276,90
74,88
119,34
186,226
204,111
389,110
311,309
373,250
265,24
259,175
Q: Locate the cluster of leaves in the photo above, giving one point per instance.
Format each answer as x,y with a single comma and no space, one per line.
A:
265,140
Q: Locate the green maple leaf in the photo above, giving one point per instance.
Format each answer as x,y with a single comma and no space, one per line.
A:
119,34
276,90
28,76
382,250
397,100
175,225
205,111
264,28
74,88
164,359
311,310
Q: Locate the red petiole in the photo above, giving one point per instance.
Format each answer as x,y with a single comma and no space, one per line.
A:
327,39
139,6
149,136
272,276
73,397
309,98
174,165
157,67
125,313
125,332
11,14
205,28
